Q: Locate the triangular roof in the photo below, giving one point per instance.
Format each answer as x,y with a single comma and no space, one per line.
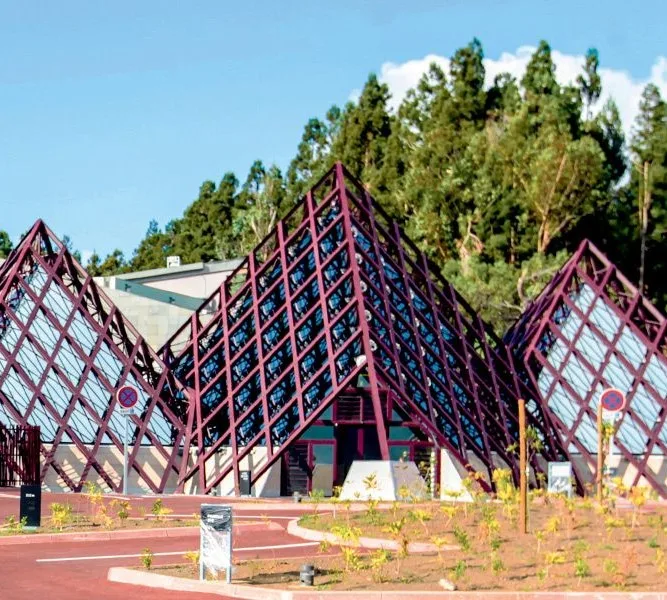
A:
64,350
335,291
589,330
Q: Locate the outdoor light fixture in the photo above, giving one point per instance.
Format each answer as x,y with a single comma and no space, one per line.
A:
307,575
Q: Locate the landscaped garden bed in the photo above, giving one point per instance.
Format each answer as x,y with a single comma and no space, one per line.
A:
572,544
92,511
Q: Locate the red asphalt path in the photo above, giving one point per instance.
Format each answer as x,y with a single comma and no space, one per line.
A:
29,572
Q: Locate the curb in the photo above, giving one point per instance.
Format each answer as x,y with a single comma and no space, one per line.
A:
234,590
293,528
130,534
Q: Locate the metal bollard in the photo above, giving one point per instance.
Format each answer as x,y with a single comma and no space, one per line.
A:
307,575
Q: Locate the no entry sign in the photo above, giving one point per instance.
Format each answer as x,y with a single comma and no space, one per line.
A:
612,400
127,396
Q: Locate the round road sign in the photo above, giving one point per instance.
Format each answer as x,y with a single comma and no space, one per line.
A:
127,396
612,400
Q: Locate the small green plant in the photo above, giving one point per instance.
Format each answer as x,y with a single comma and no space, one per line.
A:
450,512
422,516
372,513
316,497
462,539
497,565
610,569
15,526
351,559
147,558
653,542
638,497
345,533
159,510
551,559
324,546
581,569
553,525
378,560
192,557
439,543
396,529
61,514
122,508
459,570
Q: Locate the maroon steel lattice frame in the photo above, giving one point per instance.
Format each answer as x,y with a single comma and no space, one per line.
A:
334,291
588,330
64,350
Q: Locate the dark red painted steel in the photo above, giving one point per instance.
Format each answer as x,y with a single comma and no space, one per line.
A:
64,350
19,456
617,322
335,291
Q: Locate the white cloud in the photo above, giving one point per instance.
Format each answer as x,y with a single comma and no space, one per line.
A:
85,256
625,89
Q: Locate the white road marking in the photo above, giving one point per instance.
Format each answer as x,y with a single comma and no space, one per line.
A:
181,553
8,496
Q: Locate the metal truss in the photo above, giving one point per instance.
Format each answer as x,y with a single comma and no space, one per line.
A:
334,292
591,329
64,350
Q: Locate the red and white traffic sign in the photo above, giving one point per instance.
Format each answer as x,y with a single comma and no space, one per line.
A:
127,396
612,400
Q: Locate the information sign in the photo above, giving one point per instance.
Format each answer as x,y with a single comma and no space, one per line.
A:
215,545
560,478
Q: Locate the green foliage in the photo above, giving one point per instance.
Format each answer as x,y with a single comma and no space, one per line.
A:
147,558
61,514
462,539
581,568
459,570
497,186
5,244
15,526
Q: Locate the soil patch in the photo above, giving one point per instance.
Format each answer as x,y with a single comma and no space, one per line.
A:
572,545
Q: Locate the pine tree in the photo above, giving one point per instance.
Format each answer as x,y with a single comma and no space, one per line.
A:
5,244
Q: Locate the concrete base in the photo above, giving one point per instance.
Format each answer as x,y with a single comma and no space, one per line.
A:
383,480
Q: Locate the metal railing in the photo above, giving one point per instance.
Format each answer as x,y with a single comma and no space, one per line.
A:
19,456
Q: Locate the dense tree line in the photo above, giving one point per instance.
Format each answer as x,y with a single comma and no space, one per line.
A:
497,185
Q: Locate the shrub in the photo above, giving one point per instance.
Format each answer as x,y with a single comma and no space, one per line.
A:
61,514
462,539
147,558
581,569
193,558
159,510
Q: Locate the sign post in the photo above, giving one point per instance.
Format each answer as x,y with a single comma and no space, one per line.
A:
612,401
215,542
31,505
127,396
523,469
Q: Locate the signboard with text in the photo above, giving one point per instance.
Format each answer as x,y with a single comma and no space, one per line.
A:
560,478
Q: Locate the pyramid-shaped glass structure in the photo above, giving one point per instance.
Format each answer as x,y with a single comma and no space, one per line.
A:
588,331
64,351
337,308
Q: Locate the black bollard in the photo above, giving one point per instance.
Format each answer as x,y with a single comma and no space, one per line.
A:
307,575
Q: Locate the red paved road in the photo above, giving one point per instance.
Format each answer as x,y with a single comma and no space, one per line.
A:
36,571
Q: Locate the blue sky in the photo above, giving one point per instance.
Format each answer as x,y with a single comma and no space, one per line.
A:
113,113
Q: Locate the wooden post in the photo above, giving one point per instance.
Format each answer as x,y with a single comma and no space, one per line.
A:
523,484
600,454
